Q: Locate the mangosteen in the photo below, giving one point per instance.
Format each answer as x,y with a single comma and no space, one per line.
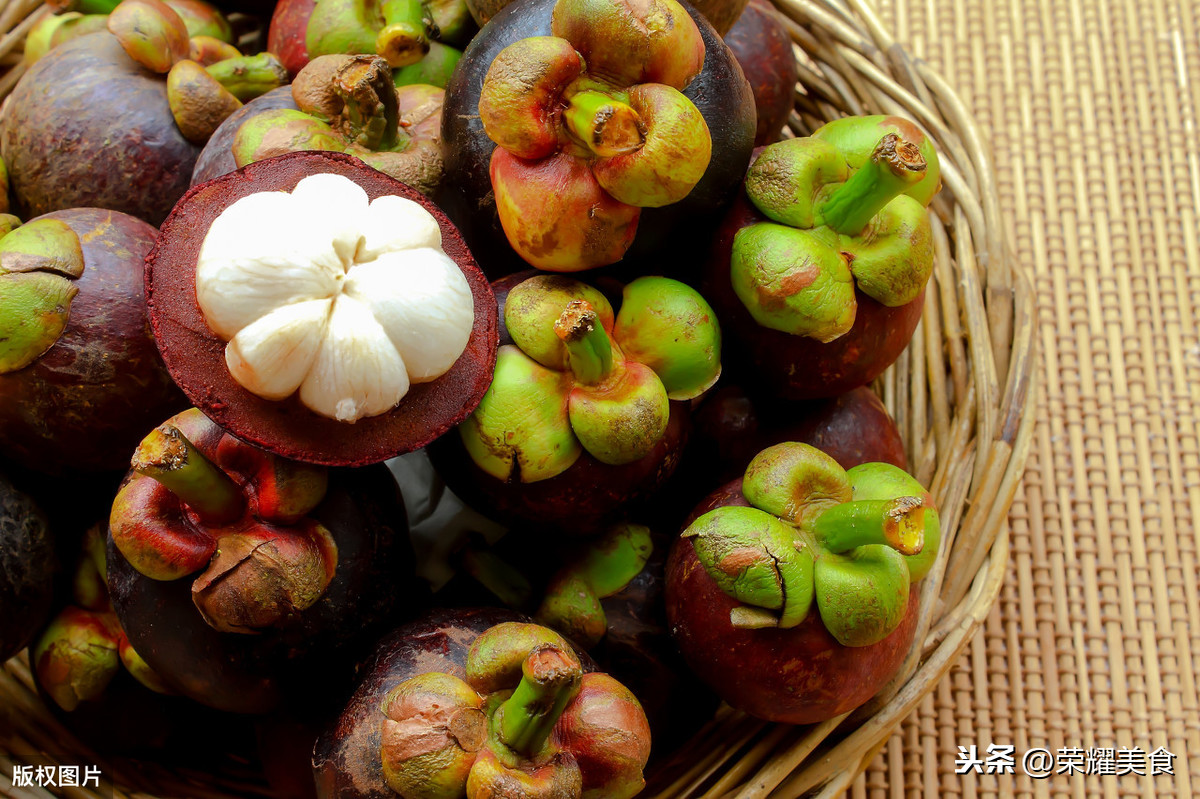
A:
82,373
763,48
477,698
790,591
818,271
27,566
587,412
720,13
388,325
237,575
577,133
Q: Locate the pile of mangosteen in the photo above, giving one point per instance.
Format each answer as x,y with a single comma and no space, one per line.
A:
449,398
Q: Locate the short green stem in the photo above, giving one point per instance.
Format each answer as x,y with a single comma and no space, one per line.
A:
498,576
550,679
589,351
604,125
404,38
167,456
247,77
893,167
898,523
83,6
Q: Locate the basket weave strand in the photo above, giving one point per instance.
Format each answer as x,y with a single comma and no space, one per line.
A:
958,395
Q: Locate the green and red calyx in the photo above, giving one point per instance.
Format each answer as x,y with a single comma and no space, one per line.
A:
849,542
591,126
83,648
577,379
201,501
525,721
840,219
39,263
348,103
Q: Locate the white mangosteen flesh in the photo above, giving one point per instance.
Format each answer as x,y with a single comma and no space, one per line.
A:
321,291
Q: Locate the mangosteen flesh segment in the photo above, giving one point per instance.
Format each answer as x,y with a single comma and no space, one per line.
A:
849,543
326,293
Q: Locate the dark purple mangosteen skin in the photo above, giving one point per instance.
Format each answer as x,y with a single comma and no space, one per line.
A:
216,158
84,405
346,760
763,48
720,92
27,567
373,586
798,367
61,153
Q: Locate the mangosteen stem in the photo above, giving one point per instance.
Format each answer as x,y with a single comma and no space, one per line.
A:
604,125
550,679
898,523
249,76
589,351
404,38
893,167
370,116
498,576
167,456
83,6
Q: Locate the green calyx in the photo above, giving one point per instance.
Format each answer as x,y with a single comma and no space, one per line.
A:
834,226
398,30
613,377
853,541
39,262
150,32
572,600
249,76
76,657
280,131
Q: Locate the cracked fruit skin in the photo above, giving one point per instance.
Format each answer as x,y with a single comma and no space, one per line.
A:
852,340
719,92
132,158
800,672
578,464
239,601
82,404
196,355
591,740
27,566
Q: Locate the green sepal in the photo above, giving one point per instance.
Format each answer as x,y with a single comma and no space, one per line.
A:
787,178
855,139
250,76
795,482
534,305
623,419
43,245
793,280
438,770
34,310
874,481
495,659
341,26
76,657
434,69
282,130
520,430
140,670
198,23
756,559
862,595
892,261
669,327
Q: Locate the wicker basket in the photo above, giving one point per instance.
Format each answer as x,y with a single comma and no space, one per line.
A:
958,395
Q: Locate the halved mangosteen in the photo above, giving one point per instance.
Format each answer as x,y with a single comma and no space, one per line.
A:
283,310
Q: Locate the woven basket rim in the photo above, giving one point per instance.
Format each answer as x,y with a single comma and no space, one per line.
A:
976,343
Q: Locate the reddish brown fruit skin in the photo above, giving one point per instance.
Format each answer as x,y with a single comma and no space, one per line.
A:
27,566
216,159
798,367
253,673
762,46
796,676
84,404
131,158
346,760
285,37
196,356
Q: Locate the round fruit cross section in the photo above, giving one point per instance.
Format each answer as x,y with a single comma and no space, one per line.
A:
247,386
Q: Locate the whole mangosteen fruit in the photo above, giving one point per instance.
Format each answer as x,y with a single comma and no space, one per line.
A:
81,374
577,132
761,44
388,324
27,566
789,591
238,575
818,271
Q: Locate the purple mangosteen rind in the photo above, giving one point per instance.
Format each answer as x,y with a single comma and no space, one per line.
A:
195,355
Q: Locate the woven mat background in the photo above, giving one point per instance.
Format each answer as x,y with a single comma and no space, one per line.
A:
1091,107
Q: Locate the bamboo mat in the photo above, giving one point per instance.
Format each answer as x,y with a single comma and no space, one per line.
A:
1091,108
